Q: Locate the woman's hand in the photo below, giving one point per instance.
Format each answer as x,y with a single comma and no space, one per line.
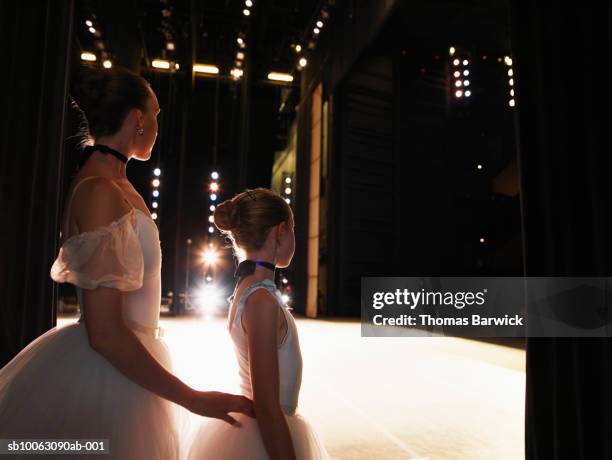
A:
217,405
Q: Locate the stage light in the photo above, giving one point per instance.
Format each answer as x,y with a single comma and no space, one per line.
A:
316,30
210,257
303,62
512,92
208,298
468,93
298,48
214,175
482,240
248,3
285,280
107,64
508,61
214,186
155,193
458,83
288,191
211,219
205,68
466,83
170,46
479,166
212,208
88,23
456,62
160,64
92,30
208,279
154,216
211,229
155,183
511,82
240,40
157,172
155,205
466,73
87,56
240,55
276,76
465,62
451,50
457,74
285,298
287,180
511,103
510,72
288,200
458,93
320,24
246,12
213,197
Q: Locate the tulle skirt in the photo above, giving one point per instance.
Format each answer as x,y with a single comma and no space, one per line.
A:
218,440
58,387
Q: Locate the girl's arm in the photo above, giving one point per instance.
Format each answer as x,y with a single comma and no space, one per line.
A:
260,319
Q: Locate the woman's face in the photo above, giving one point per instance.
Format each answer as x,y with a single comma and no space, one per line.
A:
147,121
286,247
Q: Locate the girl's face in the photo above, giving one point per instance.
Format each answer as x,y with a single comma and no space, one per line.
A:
286,247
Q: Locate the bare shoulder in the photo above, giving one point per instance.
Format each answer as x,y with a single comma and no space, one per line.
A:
260,307
97,202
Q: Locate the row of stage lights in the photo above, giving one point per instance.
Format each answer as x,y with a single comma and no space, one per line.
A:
287,188
155,195
89,56
213,187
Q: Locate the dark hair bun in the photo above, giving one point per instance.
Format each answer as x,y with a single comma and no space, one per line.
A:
90,89
226,215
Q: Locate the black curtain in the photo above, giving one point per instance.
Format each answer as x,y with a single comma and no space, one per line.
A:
36,42
561,55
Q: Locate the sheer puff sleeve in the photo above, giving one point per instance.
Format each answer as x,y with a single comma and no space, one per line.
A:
109,256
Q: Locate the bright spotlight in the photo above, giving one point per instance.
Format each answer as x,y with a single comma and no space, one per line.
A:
212,207
87,56
451,50
208,297
285,298
287,180
248,3
211,229
288,200
107,64
214,175
160,64
157,172
466,83
458,93
465,62
155,183
458,83
246,12
154,216
214,186
88,23
155,204
155,193
276,76
456,62
213,196
288,191
92,30
210,256
298,48
303,62
468,93
457,74
320,24
466,73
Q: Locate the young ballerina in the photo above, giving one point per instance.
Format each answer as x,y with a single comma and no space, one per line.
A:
260,225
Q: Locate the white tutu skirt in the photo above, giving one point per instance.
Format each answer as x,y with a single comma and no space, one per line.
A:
58,387
218,440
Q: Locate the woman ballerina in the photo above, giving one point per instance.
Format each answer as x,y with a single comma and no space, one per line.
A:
109,375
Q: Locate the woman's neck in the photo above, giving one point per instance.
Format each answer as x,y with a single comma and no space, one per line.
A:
116,167
260,273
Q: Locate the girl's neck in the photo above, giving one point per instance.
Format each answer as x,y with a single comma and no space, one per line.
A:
116,168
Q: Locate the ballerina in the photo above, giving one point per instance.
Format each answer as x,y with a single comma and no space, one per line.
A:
260,225
109,375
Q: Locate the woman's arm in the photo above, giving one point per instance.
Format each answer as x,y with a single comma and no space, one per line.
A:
260,320
102,203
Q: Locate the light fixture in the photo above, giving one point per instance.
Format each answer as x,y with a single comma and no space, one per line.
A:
210,256
457,74
155,193
458,83
287,180
466,83
170,46
107,64
511,103
236,73
177,66
276,76
205,68
157,172
160,64
465,62
92,30
214,175
240,40
451,50
246,12
288,191
155,205
248,3
479,166
212,208
155,183
213,197
303,62
285,298
154,216
320,24
214,186
458,93
466,73
240,55
211,219
468,93
298,48
211,229
456,62
88,23
87,56
288,200
316,30
482,240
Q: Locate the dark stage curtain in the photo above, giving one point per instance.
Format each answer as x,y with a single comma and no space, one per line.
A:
561,56
35,42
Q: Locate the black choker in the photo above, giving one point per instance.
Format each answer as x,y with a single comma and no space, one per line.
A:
89,150
247,267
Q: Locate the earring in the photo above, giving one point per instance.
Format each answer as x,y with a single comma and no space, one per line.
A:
140,131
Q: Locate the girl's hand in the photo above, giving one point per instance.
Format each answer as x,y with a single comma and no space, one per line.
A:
216,404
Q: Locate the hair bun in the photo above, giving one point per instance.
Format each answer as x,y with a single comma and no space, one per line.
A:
226,215
90,88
